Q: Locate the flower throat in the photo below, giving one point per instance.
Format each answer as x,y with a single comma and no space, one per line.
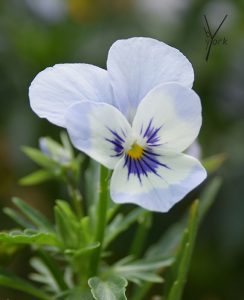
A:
136,151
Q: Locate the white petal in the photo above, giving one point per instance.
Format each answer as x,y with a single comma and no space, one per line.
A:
194,150
176,110
96,129
137,65
157,192
53,90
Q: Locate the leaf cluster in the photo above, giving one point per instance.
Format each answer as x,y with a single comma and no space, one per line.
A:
63,251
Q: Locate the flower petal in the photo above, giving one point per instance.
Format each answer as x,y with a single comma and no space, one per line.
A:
169,116
99,130
157,192
53,90
137,65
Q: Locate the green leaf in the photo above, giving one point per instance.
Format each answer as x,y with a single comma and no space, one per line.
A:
37,177
111,289
213,163
11,281
165,247
69,229
54,268
38,157
178,273
121,223
141,270
28,238
168,242
43,276
33,215
17,217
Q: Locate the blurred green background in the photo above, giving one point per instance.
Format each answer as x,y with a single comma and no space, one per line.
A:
35,34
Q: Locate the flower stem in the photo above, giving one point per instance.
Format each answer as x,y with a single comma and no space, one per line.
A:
101,218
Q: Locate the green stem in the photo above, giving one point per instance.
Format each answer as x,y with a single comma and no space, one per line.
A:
101,218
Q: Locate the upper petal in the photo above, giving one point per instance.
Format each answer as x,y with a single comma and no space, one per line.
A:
56,88
137,65
160,189
99,130
169,117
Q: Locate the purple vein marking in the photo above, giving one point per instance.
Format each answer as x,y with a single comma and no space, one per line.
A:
117,141
149,160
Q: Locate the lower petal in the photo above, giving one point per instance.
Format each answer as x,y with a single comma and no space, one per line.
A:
158,190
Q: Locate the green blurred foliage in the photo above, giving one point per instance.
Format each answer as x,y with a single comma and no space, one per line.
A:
37,34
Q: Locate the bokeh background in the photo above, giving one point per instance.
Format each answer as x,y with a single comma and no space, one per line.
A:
35,34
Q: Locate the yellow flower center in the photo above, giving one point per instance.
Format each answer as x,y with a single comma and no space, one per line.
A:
135,151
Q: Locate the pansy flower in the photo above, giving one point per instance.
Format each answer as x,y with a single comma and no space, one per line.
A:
135,118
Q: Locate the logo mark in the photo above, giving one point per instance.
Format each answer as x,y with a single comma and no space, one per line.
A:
211,39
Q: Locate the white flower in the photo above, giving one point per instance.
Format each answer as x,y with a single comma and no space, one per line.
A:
136,118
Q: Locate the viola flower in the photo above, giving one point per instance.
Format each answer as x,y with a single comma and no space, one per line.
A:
135,118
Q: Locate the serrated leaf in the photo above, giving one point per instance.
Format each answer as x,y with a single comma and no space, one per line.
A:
141,270
33,215
12,281
23,237
111,289
38,157
59,275
144,264
43,275
37,177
